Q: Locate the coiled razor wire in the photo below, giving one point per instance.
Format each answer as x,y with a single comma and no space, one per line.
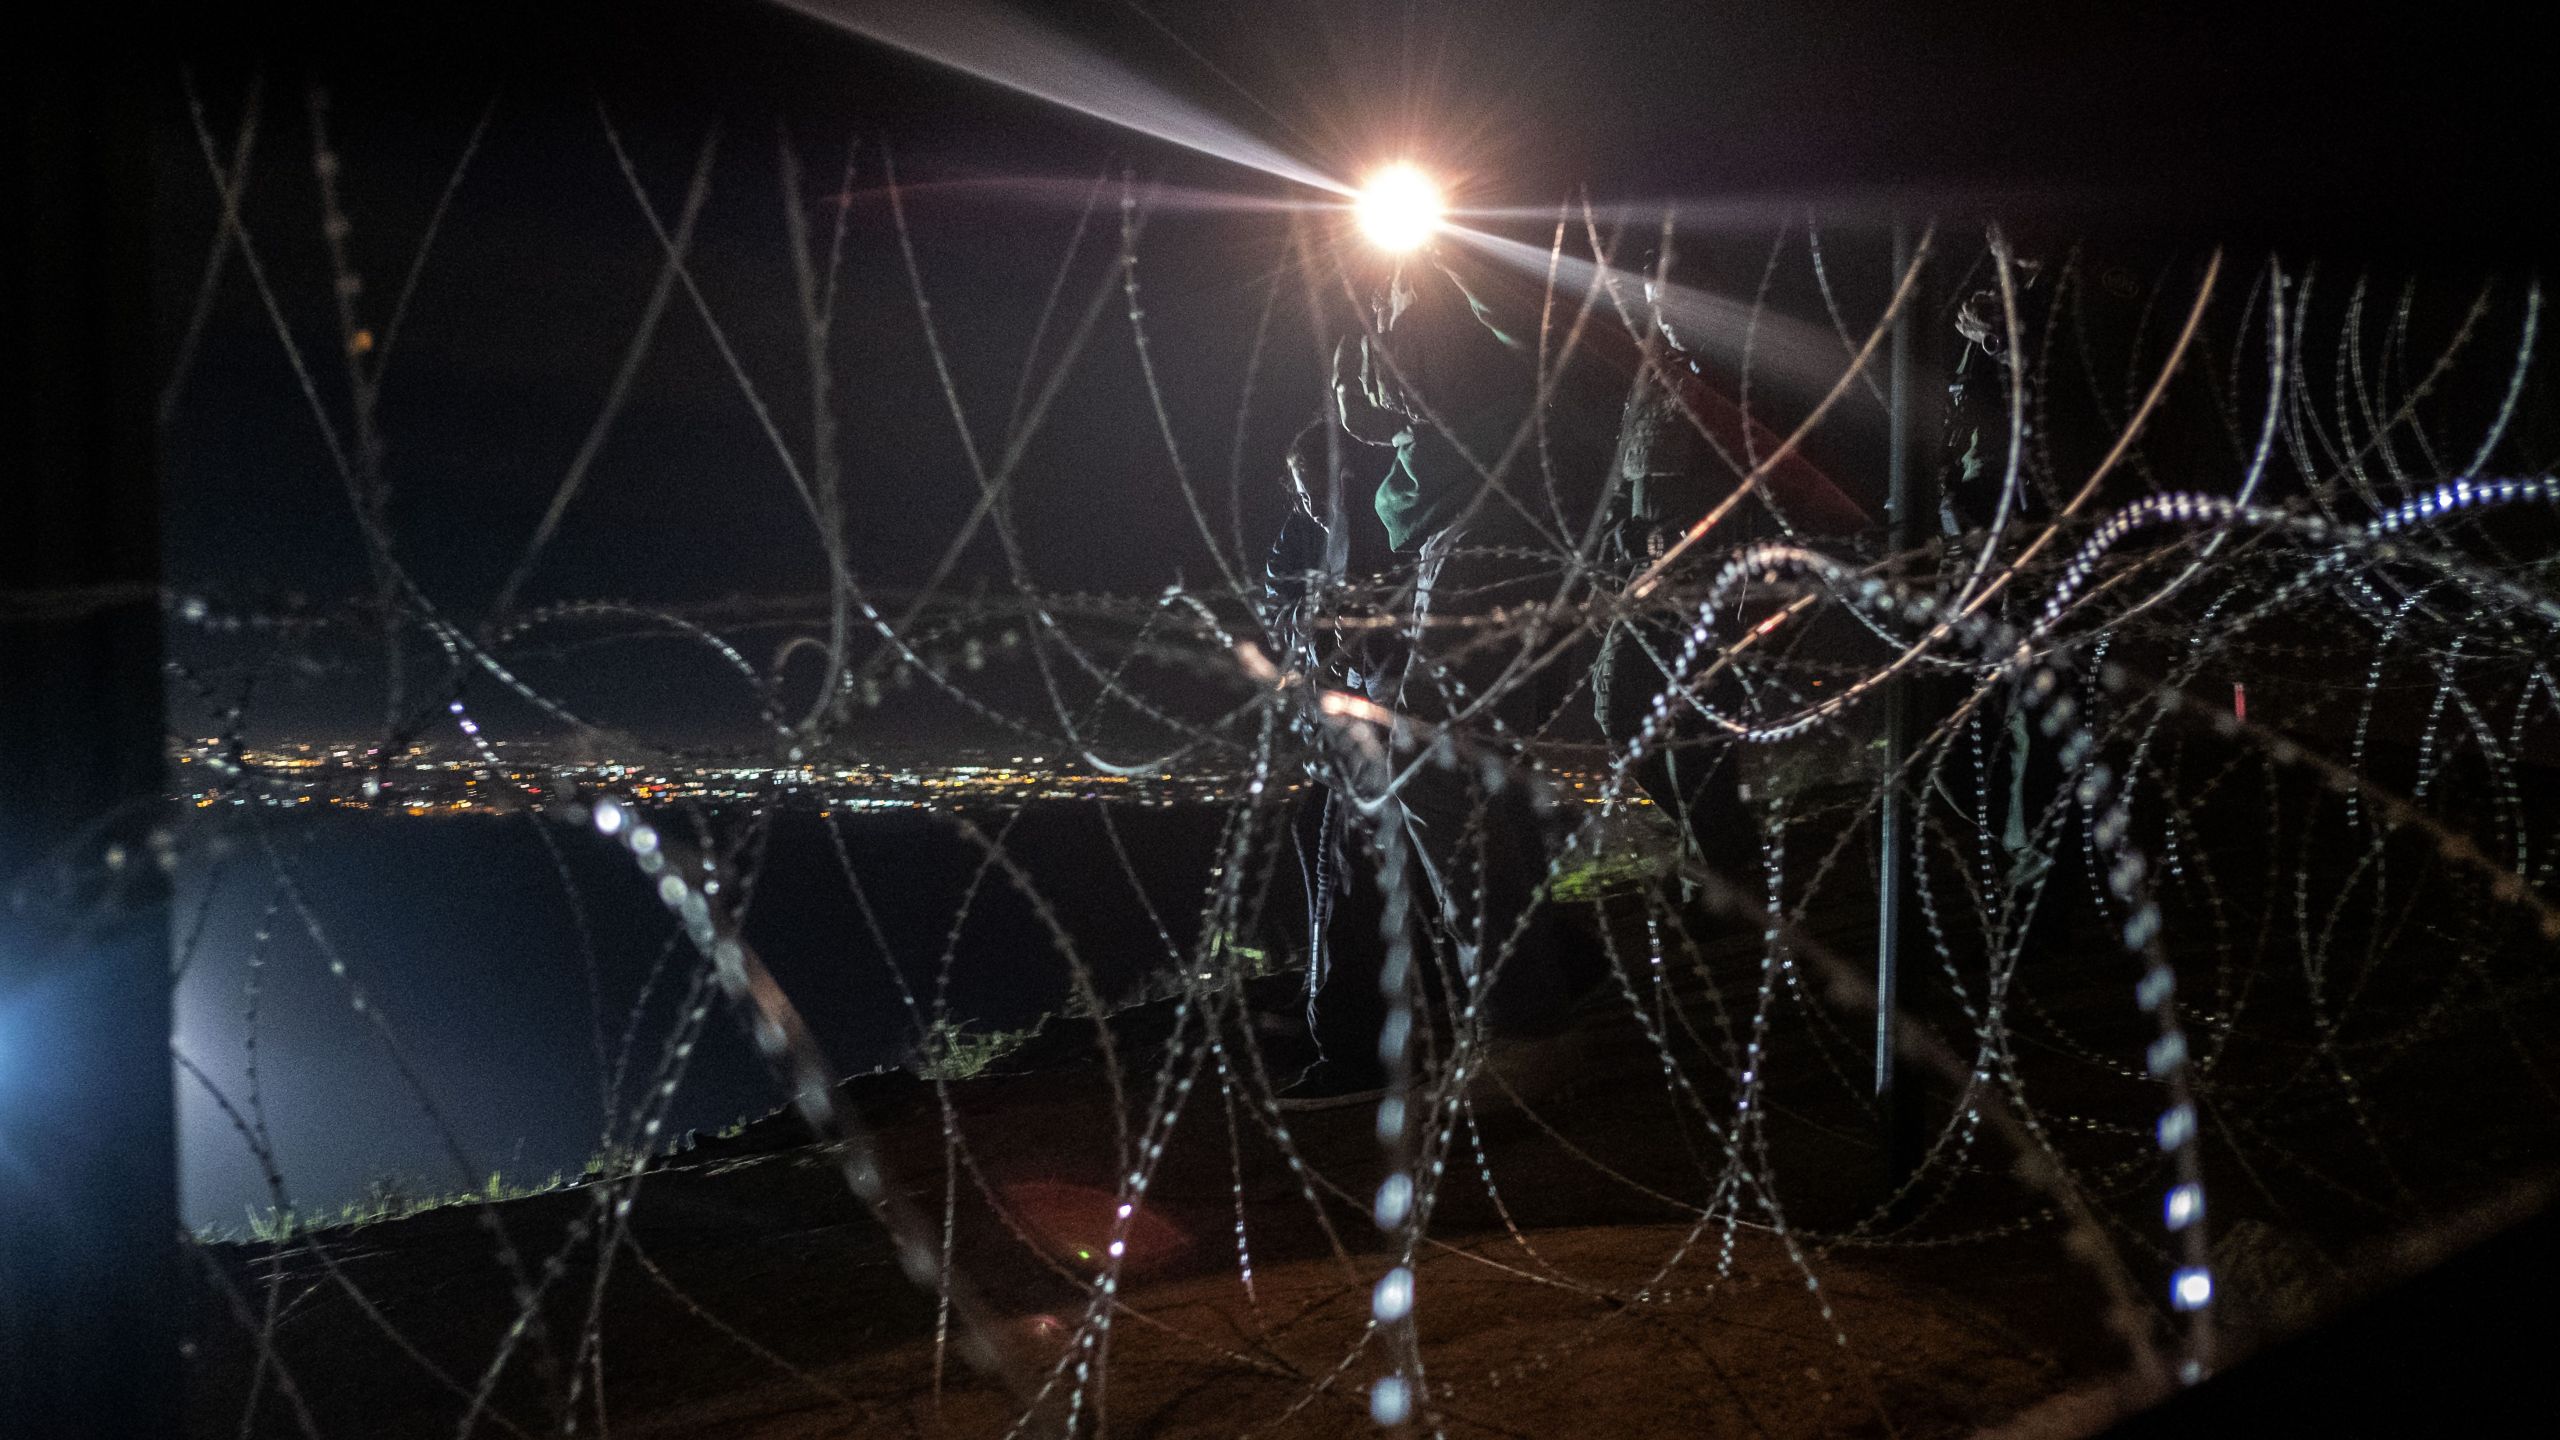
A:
2383,559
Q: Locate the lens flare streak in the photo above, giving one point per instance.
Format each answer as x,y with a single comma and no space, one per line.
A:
994,44
1790,356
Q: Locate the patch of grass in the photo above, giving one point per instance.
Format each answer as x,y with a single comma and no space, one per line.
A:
386,1197
1634,847
1607,873
954,1050
618,1160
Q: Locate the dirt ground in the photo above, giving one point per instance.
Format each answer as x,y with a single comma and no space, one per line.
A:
1581,1293
1750,1353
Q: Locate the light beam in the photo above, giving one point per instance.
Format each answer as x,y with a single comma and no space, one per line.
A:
994,44
1789,355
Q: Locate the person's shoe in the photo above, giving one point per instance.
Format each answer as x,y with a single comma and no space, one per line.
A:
1325,1086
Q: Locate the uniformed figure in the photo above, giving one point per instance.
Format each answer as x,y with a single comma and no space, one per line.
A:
2089,342
1683,449
1438,389
1345,909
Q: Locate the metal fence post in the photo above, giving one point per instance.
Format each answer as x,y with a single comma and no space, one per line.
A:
1907,505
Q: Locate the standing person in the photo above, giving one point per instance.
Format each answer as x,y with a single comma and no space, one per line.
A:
1346,944
1438,384
1983,485
1682,450
2091,336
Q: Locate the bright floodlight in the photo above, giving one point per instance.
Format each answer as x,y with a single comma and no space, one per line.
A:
1399,208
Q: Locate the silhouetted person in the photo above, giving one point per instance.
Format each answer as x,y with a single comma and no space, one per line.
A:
1441,390
2091,336
1683,449
1345,909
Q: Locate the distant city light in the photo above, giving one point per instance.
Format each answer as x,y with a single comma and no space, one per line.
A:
427,779
1399,208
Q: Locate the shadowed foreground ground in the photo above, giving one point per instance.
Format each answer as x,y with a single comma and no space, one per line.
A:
752,1298
1748,1356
